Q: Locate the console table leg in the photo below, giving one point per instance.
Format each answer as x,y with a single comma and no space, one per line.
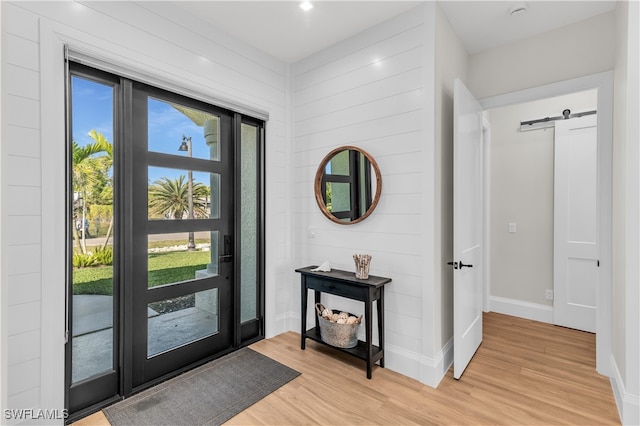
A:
380,304
368,334
303,331
317,300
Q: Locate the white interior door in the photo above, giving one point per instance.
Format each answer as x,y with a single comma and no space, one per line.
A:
576,210
467,227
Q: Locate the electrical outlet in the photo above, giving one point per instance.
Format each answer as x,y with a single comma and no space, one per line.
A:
549,294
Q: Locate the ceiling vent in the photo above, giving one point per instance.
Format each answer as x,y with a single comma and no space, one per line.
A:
518,9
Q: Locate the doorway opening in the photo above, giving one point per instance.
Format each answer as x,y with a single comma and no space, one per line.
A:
522,179
520,269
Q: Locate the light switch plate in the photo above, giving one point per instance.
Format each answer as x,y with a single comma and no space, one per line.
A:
512,228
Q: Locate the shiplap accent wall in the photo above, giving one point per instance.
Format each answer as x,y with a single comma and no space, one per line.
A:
21,190
375,91
157,39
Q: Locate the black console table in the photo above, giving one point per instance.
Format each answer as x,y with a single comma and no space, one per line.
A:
345,284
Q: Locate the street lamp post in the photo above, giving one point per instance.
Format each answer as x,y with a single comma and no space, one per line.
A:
186,146
79,199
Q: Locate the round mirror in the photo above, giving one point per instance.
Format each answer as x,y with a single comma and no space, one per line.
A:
347,185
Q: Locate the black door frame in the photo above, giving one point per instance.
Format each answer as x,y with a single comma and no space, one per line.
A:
78,397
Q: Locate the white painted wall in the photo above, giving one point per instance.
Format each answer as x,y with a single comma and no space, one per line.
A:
451,62
21,190
522,188
584,48
631,414
194,57
619,194
375,91
3,296
626,284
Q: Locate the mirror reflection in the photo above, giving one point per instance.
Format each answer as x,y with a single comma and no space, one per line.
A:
347,185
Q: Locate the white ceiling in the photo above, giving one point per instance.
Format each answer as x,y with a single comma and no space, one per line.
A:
283,30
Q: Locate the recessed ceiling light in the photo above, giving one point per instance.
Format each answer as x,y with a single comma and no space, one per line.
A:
306,6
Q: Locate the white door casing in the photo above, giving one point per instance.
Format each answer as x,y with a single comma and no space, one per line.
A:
576,218
468,226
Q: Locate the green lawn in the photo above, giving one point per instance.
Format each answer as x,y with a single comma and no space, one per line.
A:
164,268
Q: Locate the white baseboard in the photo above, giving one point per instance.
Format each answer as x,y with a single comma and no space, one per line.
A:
429,371
521,309
628,404
281,322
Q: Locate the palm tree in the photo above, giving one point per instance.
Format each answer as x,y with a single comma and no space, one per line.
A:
107,147
88,174
170,198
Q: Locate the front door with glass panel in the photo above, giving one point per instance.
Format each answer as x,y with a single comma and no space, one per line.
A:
165,235
182,233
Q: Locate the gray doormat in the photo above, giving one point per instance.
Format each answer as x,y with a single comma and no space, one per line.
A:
208,395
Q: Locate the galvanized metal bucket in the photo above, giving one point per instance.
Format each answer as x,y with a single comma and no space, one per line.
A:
338,335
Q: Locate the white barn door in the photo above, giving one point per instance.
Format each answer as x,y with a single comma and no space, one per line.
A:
576,248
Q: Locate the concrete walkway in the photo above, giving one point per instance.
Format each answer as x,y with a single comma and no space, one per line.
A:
94,313
92,342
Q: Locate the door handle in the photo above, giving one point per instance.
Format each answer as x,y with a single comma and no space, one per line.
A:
228,249
228,244
459,265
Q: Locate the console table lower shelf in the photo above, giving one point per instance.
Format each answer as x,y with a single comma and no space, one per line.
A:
359,351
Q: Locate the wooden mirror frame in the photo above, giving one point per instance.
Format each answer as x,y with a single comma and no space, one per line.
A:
320,175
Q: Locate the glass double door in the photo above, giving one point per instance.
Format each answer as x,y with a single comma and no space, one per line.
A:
168,278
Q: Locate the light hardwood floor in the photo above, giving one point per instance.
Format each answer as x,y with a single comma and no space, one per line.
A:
525,372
